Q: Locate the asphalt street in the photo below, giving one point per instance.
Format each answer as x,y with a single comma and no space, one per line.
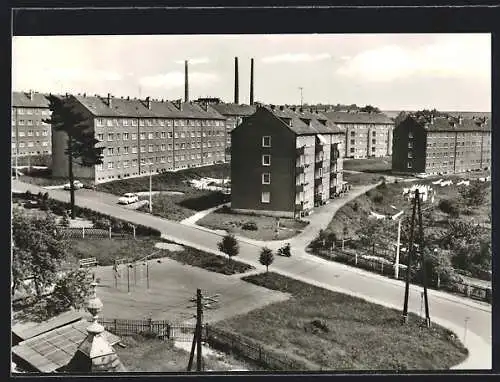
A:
469,319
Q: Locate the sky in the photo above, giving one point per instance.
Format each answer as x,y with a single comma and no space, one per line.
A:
391,71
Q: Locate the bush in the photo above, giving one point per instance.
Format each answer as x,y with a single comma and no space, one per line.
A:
449,207
355,206
250,226
378,197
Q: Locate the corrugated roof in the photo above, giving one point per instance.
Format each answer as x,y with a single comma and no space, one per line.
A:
135,108
299,123
234,109
29,330
358,117
22,99
52,350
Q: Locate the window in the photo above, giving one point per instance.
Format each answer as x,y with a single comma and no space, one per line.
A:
134,136
374,141
266,197
352,142
118,135
30,144
170,134
374,133
150,148
266,160
373,149
183,145
149,122
353,133
110,151
109,122
150,136
110,165
125,122
409,165
21,144
143,136
125,136
125,150
169,146
266,178
117,151
45,143
352,149
134,149
110,137
21,122
163,147
183,134
143,149
134,162
176,135
30,133
410,134
163,134
29,122
99,167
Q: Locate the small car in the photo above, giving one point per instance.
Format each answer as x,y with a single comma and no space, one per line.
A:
76,184
128,198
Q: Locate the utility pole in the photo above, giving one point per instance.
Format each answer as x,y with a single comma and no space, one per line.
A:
422,262
301,98
396,264
408,268
201,302
150,190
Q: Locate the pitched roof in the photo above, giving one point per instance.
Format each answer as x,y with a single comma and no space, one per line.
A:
135,108
453,124
299,120
358,117
54,349
234,109
22,99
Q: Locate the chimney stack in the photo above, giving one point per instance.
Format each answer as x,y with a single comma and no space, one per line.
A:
251,81
148,103
460,119
31,95
109,100
186,82
236,82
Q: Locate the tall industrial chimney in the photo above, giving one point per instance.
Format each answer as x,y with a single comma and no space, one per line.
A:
251,81
186,82
236,82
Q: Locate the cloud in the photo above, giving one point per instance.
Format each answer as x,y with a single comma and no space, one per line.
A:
195,61
295,57
447,57
79,74
173,80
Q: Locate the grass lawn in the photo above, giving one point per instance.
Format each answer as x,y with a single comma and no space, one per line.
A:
107,250
357,179
225,219
41,177
154,355
179,207
352,334
382,164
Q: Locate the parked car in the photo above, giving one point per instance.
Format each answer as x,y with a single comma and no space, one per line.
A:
76,184
128,198
421,175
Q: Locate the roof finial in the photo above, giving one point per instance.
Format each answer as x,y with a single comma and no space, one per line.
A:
94,307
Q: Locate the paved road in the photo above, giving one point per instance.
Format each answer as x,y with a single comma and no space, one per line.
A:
446,309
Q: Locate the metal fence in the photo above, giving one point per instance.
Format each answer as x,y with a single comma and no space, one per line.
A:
245,348
159,328
91,233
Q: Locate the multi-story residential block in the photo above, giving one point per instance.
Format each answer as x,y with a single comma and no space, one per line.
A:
366,134
30,135
285,162
143,136
441,145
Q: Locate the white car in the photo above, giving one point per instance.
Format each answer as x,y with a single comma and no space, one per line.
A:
76,184
128,198
421,175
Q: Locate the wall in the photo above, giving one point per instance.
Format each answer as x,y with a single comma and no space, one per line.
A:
247,168
400,150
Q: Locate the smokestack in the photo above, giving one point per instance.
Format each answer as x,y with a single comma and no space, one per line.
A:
251,81
236,82
186,83
109,100
148,103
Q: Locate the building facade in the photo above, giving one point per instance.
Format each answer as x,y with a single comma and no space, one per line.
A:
285,162
441,145
30,135
366,134
144,136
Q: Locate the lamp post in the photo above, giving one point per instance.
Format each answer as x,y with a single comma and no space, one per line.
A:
150,190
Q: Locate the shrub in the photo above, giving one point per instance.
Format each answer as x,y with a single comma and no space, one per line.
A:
250,226
378,197
355,207
449,207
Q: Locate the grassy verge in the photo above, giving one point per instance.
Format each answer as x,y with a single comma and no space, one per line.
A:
154,355
340,332
254,226
382,164
108,250
357,179
179,207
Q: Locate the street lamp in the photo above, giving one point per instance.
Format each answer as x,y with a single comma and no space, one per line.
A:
150,190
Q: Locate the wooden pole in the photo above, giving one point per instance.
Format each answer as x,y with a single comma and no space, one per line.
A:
408,268
199,320
424,271
147,274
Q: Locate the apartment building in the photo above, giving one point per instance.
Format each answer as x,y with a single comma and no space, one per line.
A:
441,145
143,136
366,134
285,162
30,135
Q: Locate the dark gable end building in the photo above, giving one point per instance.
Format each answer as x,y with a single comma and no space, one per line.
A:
143,136
441,145
285,162
366,134
30,136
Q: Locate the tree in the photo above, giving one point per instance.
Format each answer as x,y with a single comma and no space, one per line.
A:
81,140
370,109
70,291
38,250
229,245
266,257
473,195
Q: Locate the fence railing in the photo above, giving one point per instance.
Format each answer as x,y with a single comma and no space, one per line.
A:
364,259
159,328
91,233
252,351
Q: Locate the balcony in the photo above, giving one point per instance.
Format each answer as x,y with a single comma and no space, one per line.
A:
300,150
